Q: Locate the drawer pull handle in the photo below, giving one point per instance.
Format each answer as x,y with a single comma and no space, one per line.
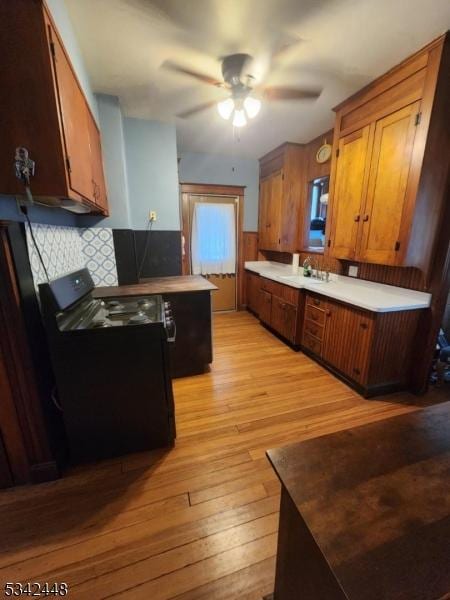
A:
363,325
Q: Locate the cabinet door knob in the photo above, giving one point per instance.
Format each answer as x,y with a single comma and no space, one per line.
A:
356,371
363,325
356,218
328,313
366,218
316,302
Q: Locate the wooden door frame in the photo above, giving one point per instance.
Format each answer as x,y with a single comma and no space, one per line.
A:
21,420
206,189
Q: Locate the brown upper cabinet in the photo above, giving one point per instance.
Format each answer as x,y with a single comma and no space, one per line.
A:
280,194
46,112
388,174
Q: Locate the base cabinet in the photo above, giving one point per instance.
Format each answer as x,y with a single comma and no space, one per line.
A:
281,309
265,307
252,289
371,350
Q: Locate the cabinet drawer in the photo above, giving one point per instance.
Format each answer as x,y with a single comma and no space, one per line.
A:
312,344
318,302
282,291
314,314
313,328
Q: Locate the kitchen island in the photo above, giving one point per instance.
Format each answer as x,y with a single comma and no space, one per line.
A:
190,300
365,513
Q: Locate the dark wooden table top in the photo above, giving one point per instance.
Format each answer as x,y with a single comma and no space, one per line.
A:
376,499
158,285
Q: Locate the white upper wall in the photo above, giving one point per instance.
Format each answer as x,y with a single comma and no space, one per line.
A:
151,159
63,23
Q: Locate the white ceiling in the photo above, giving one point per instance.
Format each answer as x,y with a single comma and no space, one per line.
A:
338,45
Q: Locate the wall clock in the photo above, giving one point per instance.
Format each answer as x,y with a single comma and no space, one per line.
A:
323,153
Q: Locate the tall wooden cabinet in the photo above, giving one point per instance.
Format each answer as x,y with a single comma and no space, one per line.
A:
46,112
282,178
387,176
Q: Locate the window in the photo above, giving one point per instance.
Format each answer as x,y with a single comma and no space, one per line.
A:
213,243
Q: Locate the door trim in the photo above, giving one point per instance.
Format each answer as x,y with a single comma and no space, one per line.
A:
206,189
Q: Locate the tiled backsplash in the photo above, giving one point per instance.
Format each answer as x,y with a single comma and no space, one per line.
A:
66,249
97,246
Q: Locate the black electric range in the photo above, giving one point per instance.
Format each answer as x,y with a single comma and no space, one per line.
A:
111,363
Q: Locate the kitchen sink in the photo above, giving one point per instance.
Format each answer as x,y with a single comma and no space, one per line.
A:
301,279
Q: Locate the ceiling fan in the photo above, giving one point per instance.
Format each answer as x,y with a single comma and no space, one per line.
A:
241,104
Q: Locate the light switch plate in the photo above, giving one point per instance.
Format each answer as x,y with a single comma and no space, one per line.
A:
353,271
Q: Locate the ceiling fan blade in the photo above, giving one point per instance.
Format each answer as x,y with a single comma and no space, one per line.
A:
199,108
171,66
286,93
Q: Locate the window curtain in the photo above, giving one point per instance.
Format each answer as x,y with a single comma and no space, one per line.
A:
213,243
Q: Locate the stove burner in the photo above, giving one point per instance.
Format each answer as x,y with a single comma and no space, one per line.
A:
100,323
115,305
139,318
145,303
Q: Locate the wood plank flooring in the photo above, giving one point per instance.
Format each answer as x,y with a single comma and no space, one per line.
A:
198,521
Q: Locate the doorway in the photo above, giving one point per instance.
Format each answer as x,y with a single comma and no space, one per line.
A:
212,230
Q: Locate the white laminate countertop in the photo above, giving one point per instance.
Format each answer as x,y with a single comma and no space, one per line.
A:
376,297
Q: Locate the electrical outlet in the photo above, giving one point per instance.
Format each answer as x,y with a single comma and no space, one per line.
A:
152,215
353,271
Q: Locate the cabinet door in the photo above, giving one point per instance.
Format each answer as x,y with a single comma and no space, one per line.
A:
98,178
290,322
349,189
74,113
283,318
348,334
385,203
253,291
271,197
264,199
265,307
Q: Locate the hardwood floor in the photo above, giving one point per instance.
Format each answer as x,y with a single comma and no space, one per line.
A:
200,520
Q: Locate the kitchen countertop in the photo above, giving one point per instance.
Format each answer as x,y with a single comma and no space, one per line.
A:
158,285
376,500
375,297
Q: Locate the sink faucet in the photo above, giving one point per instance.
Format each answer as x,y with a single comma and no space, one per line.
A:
316,271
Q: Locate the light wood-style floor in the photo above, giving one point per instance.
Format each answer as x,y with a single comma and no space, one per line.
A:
200,520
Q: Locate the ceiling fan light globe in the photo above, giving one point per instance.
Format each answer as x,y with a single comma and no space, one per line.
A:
239,119
225,108
252,106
